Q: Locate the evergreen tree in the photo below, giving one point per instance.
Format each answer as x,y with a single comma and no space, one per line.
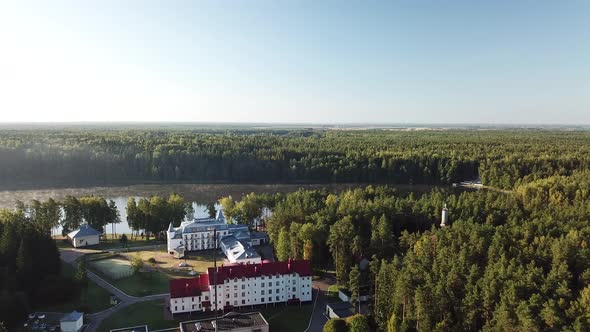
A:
354,281
283,246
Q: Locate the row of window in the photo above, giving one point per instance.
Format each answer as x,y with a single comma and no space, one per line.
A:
227,303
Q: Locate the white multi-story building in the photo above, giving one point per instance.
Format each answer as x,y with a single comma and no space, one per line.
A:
198,235
241,285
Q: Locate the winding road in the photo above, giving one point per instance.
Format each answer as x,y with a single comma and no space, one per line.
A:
70,255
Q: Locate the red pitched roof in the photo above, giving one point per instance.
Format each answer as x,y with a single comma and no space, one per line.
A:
188,287
195,286
301,267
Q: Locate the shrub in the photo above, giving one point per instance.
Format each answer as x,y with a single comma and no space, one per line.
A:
335,325
152,260
357,323
137,263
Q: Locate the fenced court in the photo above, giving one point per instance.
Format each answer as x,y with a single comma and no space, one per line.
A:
115,267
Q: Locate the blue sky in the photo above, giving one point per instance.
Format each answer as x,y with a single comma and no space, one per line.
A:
296,61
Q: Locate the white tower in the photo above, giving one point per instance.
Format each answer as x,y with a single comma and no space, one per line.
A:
444,216
170,233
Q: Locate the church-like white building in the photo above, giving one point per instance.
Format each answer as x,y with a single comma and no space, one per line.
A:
236,241
241,285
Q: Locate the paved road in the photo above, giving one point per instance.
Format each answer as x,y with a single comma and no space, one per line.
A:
317,318
96,319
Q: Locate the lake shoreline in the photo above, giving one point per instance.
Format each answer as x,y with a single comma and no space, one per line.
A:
196,192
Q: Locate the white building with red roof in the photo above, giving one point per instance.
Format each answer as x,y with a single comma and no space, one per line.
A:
242,285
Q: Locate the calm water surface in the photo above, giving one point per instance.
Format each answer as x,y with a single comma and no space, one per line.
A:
199,194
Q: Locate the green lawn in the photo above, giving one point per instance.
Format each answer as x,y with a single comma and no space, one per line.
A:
110,244
116,268
138,284
143,284
149,313
95,298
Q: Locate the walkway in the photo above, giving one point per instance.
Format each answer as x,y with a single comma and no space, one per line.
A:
96,319
318,319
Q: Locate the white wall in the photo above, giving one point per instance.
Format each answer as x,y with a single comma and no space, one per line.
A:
71,326
85,241
249,291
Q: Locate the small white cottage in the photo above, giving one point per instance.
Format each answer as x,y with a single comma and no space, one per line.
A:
72,322
84,236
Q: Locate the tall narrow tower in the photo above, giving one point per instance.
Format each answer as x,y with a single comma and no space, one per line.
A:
444,216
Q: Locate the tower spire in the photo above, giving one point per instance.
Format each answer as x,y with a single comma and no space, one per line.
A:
444,216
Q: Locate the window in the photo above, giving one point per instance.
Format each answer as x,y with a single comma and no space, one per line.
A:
269,299
277,283
243,279
243,286
262,299
270,291
206,298
235,302
175,308
262,292
243,301
227,296
226,302
270,284
243,293
193,306
277,298
294,288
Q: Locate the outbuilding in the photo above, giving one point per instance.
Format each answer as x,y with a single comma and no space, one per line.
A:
339,310
72,322
84,236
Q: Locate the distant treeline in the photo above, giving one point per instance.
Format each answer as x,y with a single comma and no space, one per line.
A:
73,157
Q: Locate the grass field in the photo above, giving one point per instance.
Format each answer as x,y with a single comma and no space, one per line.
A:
114,268
107,242
167,264
155,279
144,283
149,313
138,284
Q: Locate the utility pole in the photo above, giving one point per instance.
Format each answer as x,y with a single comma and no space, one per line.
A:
215,273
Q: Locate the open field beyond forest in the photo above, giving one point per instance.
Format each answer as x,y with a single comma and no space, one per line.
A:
281,318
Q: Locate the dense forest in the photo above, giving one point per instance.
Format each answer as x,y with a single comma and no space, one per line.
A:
508,261
74,157
30,268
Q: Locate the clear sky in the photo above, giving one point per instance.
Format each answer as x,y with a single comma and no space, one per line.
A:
407,61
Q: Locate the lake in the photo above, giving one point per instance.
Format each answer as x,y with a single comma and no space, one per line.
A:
199,194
